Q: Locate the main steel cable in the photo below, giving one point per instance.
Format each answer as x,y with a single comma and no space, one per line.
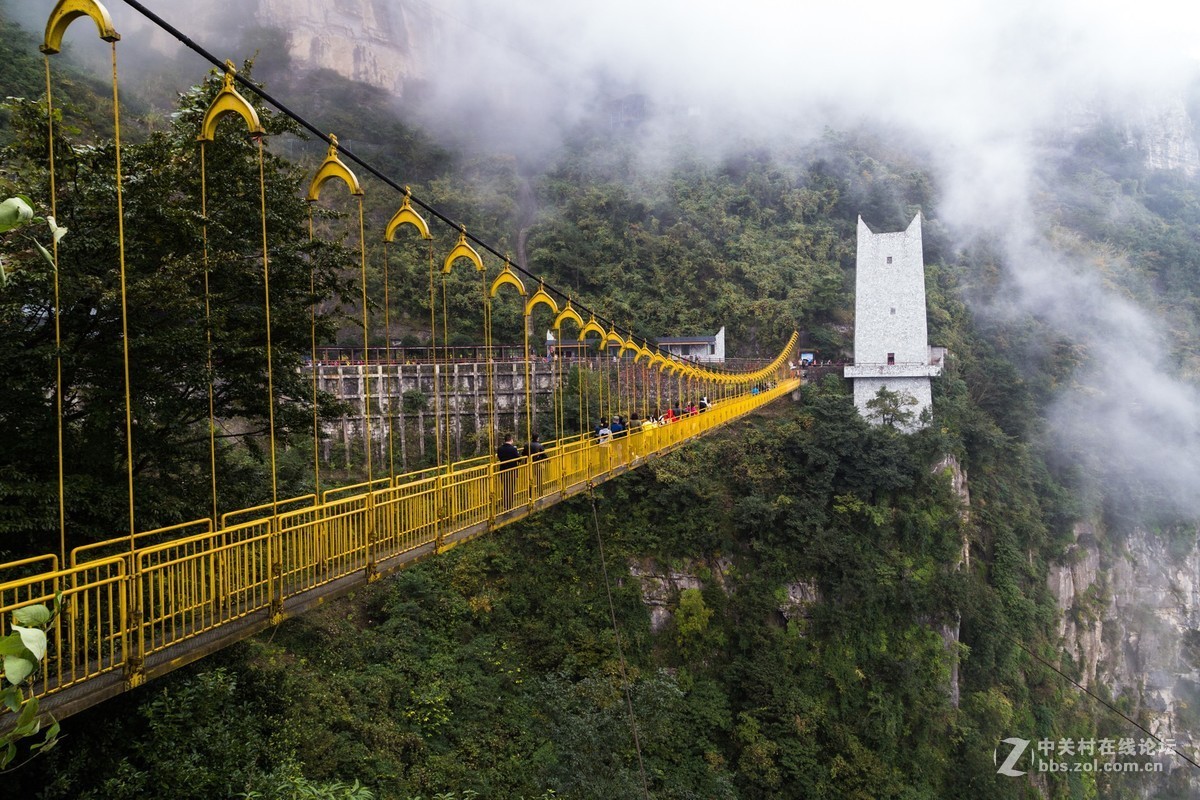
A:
612,612
342,150
1098,699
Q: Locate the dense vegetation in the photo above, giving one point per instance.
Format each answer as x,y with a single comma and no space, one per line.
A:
827,562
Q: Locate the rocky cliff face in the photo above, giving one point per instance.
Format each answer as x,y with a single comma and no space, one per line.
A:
382,43
1165,137
1131,621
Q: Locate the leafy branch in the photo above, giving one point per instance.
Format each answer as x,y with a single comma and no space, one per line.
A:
16,213
23,650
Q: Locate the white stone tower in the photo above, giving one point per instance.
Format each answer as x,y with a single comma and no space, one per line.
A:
891,337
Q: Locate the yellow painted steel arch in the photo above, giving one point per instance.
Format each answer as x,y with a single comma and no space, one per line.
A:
658,359
612,337
66,12
462,250
566,314
643,352
507,278
592,327
333,168
540,297
630,344
405,215
229,101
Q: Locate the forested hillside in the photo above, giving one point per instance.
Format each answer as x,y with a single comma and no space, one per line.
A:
803,605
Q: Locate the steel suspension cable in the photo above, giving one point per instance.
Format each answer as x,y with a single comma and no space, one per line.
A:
124,299
445,357
387,381
208,337
489,366
612,613
1097,698
58,383
433,350
313,129
262,192
316,368
369,436
528,319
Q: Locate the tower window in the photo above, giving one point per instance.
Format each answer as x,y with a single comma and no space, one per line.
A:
891,359
889,259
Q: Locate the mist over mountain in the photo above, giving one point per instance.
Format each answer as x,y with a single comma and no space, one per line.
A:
992,95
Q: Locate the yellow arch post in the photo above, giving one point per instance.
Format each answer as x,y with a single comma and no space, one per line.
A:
568,314
462,250
658,360
61,17
228,101
644,370
539,298
405,215
507,277
67,11
334,169
630,345
611,337
64,13
590,327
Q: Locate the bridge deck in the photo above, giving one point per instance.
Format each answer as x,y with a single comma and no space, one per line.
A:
134,614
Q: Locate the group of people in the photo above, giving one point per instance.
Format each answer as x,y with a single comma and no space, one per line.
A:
678,412
508,455
606,430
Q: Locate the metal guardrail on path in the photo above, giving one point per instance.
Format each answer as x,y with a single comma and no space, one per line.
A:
180,593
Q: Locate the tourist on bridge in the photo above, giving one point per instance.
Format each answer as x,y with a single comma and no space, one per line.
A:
509,457
535,448
536,452
617,427
603,432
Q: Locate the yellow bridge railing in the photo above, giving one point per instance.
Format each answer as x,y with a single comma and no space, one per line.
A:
185,591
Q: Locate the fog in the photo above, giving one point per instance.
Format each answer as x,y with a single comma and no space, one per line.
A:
989,88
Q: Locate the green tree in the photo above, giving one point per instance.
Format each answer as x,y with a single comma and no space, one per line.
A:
165,281
891,408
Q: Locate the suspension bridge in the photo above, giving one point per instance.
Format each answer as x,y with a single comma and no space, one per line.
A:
146,602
